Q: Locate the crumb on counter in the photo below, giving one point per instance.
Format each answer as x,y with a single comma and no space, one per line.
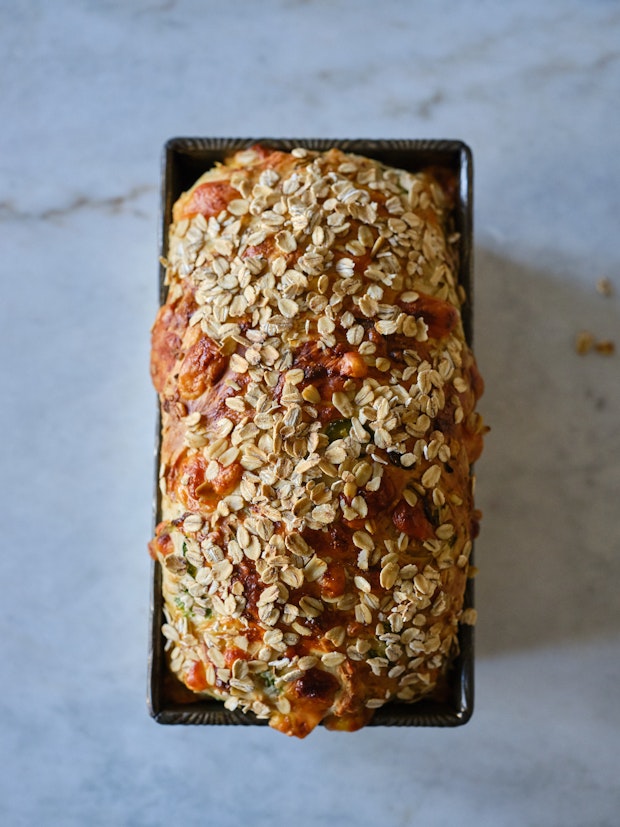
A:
585,342
606,347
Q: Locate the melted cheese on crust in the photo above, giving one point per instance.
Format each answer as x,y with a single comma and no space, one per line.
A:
318,428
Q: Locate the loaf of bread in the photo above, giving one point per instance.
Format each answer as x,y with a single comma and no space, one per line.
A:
318,429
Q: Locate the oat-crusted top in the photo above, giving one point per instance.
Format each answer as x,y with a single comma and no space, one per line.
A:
318,427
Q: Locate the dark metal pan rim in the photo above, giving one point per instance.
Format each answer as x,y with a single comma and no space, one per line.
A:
184,160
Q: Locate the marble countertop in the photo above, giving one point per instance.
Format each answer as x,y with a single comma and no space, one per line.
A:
90,92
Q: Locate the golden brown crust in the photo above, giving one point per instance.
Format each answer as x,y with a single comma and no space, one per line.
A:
318,427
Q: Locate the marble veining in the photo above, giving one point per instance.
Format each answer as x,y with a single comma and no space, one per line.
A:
111,205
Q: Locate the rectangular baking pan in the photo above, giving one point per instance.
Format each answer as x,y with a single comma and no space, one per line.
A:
184,160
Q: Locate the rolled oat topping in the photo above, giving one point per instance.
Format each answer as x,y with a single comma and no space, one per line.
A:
318,427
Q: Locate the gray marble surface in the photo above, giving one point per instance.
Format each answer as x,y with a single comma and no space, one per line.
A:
89,92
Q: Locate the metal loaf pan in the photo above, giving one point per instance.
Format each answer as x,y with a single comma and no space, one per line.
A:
184,160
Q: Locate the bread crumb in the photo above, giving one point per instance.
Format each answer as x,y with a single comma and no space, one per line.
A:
606,347
584,342
604,287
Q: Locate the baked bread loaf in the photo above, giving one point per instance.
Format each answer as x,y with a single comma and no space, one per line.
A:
318,427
